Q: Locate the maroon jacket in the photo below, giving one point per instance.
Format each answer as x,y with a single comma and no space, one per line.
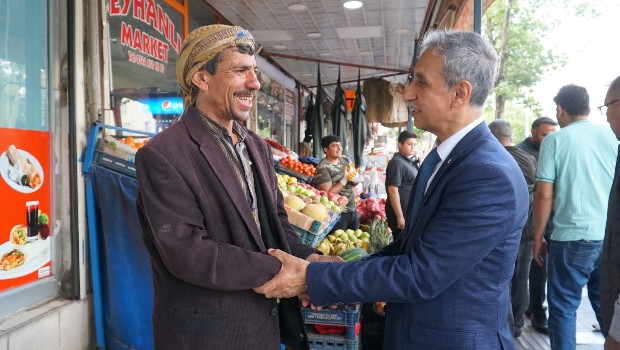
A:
206,250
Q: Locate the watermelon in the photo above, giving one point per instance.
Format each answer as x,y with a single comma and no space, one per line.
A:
353,254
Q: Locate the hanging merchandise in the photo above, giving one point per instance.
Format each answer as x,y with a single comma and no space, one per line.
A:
378,99
339,116
317,117
359,124
400,112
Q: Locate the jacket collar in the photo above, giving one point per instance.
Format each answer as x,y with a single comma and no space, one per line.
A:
471,139
205,138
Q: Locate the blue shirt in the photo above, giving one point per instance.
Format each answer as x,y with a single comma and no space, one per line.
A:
580,161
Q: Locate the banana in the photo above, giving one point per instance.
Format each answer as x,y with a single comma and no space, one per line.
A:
353,174
324,247
339,248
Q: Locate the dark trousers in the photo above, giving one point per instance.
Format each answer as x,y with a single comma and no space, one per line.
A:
538,282
347,221
519,294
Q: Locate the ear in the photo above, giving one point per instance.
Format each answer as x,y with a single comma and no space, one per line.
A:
462,93
201,80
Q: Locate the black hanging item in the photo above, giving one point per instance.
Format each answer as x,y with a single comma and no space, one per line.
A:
359,124
339,115
317,117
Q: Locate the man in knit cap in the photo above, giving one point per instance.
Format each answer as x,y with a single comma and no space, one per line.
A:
210,207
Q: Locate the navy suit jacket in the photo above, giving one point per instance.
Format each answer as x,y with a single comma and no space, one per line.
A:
446,279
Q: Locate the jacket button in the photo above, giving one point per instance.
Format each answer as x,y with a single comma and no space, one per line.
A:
273,311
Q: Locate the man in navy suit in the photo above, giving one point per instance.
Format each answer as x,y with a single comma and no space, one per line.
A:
446,279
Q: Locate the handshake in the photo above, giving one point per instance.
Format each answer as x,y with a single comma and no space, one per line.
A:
291,280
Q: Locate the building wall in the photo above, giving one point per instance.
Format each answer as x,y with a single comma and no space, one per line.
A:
54,325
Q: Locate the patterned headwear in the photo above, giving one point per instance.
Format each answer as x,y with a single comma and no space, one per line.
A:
203,44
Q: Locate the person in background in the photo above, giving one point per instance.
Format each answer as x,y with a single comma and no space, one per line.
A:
537,312
610,265
574,177
519,295
209,207
399,177
446,279
305,147
332,175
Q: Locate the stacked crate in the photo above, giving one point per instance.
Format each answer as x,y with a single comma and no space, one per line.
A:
346,315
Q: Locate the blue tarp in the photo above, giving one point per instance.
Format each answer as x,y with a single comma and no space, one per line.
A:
127,291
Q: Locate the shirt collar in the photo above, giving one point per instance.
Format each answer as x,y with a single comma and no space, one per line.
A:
221,131
448,145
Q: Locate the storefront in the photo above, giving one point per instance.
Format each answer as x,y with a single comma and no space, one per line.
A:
29,246
63,65
144,42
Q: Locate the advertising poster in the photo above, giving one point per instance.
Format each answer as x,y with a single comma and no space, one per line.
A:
25,189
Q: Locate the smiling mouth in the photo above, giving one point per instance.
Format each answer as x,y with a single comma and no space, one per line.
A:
245,98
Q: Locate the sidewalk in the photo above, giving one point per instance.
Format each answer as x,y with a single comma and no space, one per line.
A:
587,337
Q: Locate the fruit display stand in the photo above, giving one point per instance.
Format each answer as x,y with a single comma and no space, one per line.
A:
288,171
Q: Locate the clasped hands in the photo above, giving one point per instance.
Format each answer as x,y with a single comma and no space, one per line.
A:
291,280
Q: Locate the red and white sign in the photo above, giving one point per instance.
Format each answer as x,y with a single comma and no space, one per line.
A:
25,189
147,30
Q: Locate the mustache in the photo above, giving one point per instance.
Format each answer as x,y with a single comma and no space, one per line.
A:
244,93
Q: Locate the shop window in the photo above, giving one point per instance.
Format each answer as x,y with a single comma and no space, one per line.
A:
145,41
271,121
25,157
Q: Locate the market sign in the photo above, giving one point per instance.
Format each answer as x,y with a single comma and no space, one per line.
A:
147,32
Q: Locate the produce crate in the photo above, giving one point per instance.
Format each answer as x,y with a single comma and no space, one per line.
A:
331,342
288,171
317,233
114,163
345,315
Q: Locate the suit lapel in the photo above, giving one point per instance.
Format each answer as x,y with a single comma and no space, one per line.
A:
459,151
223,170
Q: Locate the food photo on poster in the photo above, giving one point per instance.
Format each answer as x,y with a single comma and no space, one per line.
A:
21,170
26,243
27,247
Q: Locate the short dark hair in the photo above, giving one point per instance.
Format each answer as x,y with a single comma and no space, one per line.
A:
501,129
328,140
573,99
543,120
406,135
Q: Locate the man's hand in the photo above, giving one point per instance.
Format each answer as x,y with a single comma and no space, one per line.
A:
400,222
345,175
290,281
540,251
323,258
